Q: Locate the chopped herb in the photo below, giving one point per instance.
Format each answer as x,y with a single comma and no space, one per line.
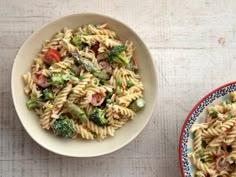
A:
214,114
200,153
108,101
130,83
118,82
81,77
119,92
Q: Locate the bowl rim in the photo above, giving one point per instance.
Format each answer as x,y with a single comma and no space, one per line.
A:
35,32
188,117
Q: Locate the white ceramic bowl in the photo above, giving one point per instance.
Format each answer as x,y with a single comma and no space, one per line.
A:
82,148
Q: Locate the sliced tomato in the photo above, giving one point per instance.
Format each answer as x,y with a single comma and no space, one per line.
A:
95,48
52,56
221,163
97,99
40,79
136,62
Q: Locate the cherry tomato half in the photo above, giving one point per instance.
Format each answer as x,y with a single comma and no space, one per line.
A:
52,56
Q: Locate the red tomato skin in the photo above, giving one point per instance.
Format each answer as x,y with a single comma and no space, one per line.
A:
52,56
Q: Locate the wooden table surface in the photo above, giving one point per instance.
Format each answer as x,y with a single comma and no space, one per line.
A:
193,43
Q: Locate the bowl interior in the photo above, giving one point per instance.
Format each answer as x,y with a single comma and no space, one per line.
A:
197,115
82,148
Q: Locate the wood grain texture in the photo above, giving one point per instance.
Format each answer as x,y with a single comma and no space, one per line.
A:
193,44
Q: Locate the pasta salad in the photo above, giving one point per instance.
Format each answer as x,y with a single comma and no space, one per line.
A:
84,83
214,143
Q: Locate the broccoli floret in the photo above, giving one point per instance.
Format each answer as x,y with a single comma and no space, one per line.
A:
78,43
98,117
116,55
64,126
59,80
33,103
48,94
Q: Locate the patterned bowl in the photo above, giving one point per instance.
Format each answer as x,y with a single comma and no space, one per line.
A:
197,114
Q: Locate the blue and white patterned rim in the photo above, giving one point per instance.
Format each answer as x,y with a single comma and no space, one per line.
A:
196,111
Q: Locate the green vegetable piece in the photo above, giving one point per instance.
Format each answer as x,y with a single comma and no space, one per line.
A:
137,104
119,92
118,82
68,77
81,77
214,114
78,43
89,66
116,55
33,103
108,101
57,80
108,97
48,94
77,112
98,117
94,70
131,66
64,127
130,83
102,81
200,153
